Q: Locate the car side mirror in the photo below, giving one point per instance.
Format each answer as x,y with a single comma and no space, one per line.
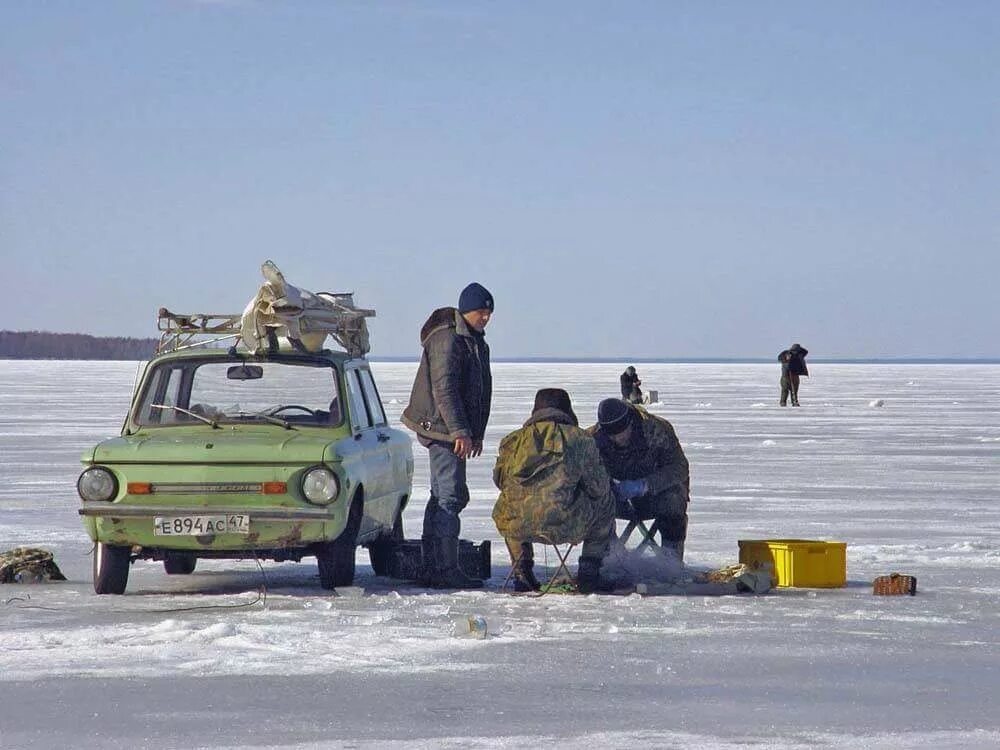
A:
245,372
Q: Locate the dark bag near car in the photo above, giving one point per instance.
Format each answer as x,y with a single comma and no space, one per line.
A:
474,560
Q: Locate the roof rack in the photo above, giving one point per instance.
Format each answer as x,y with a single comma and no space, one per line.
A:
304,318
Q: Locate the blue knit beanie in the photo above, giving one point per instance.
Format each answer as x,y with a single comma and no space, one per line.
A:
475,297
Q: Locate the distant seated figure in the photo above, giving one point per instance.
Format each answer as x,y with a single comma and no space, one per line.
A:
554,489
630,386
793,366
648,469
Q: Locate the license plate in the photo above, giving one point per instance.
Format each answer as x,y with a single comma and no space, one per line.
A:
201,525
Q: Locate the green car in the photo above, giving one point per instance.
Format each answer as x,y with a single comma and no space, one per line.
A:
280,454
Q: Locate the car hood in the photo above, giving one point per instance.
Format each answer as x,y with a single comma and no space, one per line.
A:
244,445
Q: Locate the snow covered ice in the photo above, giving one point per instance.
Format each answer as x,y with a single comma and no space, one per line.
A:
237,656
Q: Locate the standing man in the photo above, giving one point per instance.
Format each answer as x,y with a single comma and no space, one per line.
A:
449,408
631,391
793,366
649,471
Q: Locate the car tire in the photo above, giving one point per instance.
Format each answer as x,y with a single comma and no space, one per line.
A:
111,564
179,563
381,551
336,559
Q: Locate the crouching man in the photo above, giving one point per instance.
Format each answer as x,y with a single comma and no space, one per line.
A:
648,468
553,489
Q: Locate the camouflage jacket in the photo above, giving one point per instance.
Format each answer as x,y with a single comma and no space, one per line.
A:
28,563
552,482
654,453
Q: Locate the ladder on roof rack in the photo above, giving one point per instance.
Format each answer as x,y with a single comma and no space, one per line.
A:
198,329
278,309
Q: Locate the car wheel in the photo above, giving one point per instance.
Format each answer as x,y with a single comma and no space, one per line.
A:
179,563
111,568
336,559
381,551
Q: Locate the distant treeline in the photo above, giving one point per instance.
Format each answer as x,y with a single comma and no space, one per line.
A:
45,345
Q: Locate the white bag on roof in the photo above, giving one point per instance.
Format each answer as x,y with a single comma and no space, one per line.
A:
304,318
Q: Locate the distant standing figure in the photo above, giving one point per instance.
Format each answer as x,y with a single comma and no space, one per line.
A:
793,366
449,408
630,386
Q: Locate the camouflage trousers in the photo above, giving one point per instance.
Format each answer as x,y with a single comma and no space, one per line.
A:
595,545
790,387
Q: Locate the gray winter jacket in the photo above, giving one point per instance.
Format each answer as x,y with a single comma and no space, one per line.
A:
453,388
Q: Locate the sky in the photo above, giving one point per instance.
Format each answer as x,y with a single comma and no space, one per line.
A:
637,179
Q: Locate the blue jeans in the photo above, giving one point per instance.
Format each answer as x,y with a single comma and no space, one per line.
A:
449,492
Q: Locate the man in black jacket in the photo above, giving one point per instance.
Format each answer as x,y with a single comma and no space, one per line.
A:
793,366
630,382
449,408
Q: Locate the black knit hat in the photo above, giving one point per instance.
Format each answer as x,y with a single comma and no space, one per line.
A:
554,398
475,297
614,415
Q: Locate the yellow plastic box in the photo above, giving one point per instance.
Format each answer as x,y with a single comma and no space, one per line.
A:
799,563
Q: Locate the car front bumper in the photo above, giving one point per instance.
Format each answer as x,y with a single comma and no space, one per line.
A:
133,525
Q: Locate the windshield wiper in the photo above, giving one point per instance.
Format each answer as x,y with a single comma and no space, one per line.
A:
196,415
268,418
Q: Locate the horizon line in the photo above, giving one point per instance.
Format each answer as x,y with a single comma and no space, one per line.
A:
711,359
620,360
719,360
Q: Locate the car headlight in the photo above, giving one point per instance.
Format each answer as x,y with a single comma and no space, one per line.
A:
97,483
320,486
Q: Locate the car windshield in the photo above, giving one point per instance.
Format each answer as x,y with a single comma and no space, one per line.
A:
286,393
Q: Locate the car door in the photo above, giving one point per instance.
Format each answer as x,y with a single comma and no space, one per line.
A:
377,476
398,442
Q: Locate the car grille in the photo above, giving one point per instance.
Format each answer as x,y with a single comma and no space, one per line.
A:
205,488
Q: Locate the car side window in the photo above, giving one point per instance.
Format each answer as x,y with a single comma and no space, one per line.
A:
371,396
165,389
359,414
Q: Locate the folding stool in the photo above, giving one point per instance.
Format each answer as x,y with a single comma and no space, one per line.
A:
561,555
644,528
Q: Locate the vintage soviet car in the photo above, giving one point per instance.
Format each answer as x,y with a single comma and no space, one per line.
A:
278,451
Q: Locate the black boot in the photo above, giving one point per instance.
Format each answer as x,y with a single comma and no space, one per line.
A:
428,560
428,543
448,574
588,575
522,557
673,532
675,548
